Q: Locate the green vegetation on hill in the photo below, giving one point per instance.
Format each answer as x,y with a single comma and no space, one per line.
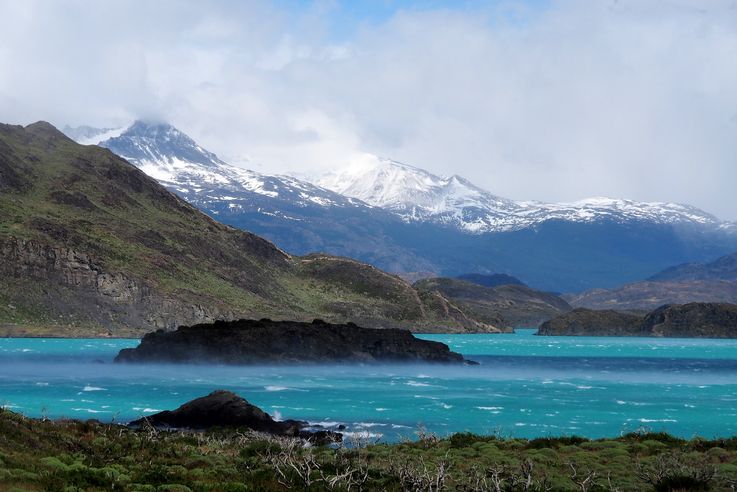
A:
89,244
73,455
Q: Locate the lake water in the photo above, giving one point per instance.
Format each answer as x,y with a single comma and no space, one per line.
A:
525,386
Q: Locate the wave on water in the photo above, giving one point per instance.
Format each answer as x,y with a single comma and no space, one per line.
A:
272,388
649,421
93,388
276,388
146,410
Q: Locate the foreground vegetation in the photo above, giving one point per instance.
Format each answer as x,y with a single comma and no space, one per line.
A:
75,455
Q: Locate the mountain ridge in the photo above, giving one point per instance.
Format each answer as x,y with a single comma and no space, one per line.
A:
416,194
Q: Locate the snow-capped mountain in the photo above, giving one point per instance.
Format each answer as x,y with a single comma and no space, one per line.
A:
404,219
417,195
179,163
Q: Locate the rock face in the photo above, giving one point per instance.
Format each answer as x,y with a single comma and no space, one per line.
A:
226,409
694,320
266,341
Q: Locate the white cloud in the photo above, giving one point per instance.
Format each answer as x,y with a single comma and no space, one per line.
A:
556,102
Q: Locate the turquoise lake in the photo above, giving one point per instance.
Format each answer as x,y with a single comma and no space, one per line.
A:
525,386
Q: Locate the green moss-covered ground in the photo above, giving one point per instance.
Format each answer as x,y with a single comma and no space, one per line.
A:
74,455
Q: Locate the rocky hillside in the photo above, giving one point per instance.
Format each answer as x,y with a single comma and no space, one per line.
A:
508,306
91,244
693,320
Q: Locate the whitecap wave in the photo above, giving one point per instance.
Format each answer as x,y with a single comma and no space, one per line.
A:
93,388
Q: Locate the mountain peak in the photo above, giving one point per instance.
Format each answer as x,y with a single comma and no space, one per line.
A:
155,130
152,143
45,129
418,195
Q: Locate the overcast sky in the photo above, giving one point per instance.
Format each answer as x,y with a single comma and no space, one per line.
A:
547,100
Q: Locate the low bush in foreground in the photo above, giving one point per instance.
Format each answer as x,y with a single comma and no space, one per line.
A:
67,456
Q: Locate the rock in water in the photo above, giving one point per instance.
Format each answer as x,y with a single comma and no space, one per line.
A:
693,320
266,341
697,319
226,409
590,322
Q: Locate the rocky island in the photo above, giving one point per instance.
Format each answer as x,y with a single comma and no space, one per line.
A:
226,409
693,320
266,341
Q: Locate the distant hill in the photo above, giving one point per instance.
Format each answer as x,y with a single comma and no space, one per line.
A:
90,242
723,268
514,306
491,280
715,281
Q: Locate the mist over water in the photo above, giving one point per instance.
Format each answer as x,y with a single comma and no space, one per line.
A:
525,386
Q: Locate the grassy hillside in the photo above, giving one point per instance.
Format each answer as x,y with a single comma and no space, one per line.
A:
90,244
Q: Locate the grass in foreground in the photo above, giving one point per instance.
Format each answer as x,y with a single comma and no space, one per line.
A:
74,455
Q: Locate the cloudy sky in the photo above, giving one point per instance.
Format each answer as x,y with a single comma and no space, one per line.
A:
548,100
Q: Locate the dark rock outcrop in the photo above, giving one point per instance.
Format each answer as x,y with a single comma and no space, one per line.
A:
593,323
226,409
694,320
700,320
266,341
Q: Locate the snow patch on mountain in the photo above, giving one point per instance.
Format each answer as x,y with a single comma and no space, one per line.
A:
417,195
